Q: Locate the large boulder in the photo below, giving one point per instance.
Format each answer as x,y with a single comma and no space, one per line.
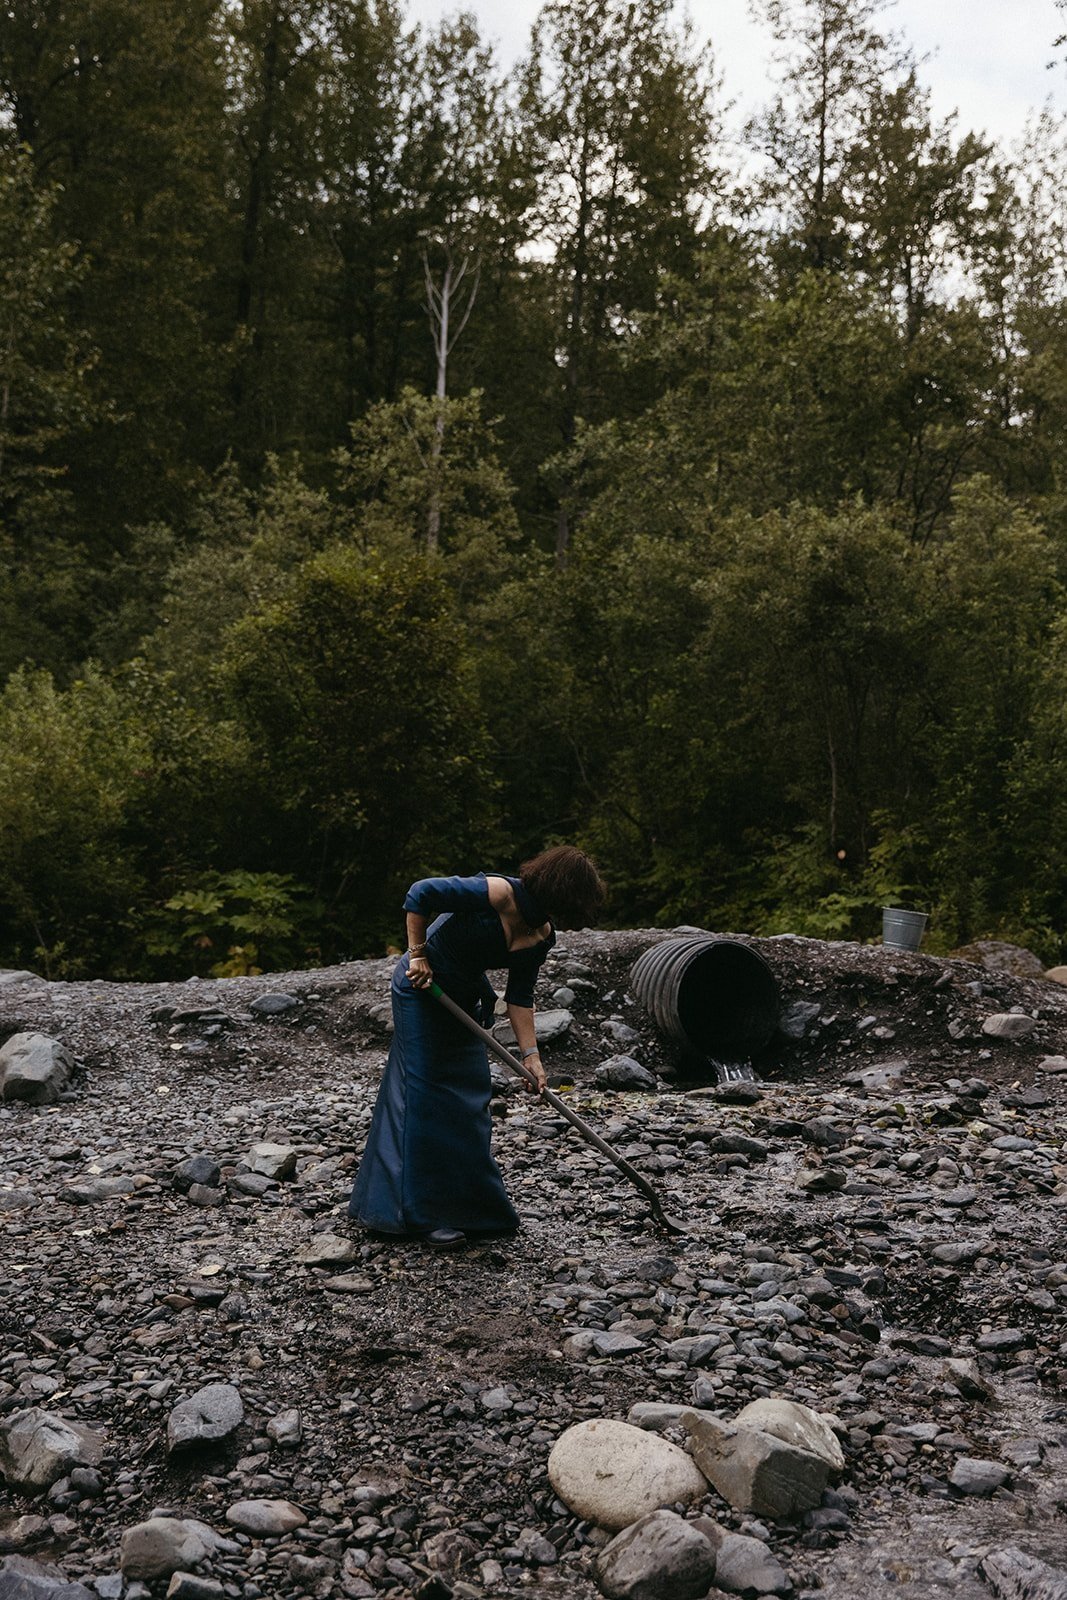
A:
206,1418
660,1557
753,1470
162,1545
22,1579
38,1447
797,1425
613,1473
34,1068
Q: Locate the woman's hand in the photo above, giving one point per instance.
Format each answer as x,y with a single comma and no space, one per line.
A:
533,1064
420,972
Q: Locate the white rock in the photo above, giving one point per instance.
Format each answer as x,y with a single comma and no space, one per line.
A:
328,1250
613,1473
1008,1025
265,1516
797,1425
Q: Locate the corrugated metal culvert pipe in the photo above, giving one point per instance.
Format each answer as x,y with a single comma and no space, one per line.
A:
709,994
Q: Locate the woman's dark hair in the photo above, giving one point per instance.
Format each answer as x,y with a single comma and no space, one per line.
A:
566,885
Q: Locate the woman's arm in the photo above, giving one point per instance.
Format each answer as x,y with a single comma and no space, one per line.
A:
522,1022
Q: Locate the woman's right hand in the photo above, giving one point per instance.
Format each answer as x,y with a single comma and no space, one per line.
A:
420,972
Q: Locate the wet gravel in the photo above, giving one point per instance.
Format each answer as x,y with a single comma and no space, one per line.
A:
878,1231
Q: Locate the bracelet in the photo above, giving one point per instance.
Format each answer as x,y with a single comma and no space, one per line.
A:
417,951
532,1051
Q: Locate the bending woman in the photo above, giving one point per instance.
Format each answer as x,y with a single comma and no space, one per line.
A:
428,1171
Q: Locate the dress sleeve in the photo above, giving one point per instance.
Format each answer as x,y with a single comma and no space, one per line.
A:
430,896
523,968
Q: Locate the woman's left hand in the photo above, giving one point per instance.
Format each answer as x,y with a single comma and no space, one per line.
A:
533,1064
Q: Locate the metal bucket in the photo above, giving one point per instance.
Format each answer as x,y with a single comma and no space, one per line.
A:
709,994
902,930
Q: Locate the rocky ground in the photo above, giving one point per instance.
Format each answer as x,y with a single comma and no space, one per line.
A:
879,1231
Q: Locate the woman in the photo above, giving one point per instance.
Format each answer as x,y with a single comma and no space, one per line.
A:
427,1171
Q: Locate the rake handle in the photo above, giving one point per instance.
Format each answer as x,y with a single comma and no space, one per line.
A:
504,1055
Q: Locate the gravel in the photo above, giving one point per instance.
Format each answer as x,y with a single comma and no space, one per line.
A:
913,1286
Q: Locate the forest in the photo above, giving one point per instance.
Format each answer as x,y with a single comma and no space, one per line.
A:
406,463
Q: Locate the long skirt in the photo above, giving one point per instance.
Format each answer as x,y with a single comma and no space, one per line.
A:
427,1163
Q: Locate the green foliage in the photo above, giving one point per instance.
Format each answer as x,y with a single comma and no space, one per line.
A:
72,763
754,583
229,924
358,696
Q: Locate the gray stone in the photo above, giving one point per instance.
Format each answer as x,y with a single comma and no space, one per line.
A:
620,1031
189,1586
660,1557
286,1429
1053,1063
265,1517
820,1180
273,1005
13,975
38,1447
201,1195
23,1579
616,1344
88,1191
623,1072
753,1470
348,1283
654,1415
743,1565
797,1425
205,1418
738,1144
251,1183
449,1550
19,1533
34,1068
1014,1575
328,1250
548,1025
963,1372
694,1350
956,1255
1008,1025
796,1020
203,1169
162,1545
975,1477
270,1160
613,1473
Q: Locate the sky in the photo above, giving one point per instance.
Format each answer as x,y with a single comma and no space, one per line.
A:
987,58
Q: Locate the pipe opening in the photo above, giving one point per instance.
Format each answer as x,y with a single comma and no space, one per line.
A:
727,1001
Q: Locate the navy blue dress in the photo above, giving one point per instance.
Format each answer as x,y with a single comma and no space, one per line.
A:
428,1163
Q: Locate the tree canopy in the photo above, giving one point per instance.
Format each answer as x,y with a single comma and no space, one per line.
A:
406,462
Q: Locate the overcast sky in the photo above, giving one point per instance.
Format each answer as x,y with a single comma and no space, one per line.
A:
987,57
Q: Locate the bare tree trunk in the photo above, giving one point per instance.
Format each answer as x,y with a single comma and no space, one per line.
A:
439,305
